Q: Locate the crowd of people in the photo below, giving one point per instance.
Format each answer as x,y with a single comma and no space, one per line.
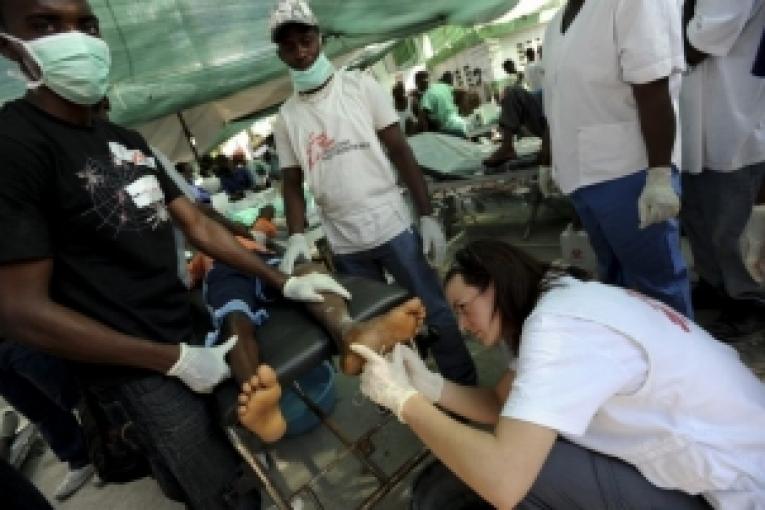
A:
615,396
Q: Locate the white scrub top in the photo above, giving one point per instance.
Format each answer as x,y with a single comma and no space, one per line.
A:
667,398
332,136
589,105
730,101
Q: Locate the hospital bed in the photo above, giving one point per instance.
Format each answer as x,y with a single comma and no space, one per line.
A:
293,344
458,178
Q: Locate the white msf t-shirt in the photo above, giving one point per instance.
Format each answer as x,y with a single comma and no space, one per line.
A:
588,75
627,376
724,103
332,136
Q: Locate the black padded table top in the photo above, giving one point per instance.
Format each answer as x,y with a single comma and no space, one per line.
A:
292,342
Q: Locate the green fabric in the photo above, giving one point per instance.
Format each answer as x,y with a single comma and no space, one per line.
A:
170,55
439,101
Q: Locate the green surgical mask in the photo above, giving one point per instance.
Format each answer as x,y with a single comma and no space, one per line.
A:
74,65
313,77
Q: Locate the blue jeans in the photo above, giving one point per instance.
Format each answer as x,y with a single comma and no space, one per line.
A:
43,389
179,433
402,257
648,260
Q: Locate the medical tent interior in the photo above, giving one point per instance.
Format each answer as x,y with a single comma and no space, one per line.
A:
213,62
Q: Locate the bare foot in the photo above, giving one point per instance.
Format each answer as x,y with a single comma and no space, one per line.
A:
382,333
259,408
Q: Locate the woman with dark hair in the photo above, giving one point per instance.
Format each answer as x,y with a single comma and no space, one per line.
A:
614,400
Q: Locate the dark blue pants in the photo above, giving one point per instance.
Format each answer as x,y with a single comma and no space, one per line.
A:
179,433
648,260
402,257
43,389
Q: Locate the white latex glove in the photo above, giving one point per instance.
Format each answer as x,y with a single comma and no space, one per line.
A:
433,239
308,287
658,202
430,384
259,237
754,244
545,180
384,381
202,368
297,245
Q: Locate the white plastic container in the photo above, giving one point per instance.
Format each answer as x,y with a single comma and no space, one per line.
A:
577,251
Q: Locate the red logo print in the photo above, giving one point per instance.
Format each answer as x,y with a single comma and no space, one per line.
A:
318,145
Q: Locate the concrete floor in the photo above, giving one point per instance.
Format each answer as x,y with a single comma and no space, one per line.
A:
300,459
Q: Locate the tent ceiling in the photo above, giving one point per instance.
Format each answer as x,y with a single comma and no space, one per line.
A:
174,55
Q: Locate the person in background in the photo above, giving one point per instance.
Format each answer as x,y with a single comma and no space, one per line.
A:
534,72
438,110
724,159
597,412
520,110
264,223
340,133
43,389
403,106
611,82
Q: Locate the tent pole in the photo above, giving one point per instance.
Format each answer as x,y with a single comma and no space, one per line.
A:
188,135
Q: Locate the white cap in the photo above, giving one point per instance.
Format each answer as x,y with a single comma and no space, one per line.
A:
291,11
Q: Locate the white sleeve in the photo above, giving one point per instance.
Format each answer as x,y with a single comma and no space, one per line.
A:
649,39
284,149
716,25
171,172
567,369
380,103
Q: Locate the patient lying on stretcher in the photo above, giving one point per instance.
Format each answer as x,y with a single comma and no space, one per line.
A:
240,303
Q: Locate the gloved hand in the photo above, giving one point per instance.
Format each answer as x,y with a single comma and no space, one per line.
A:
754,244
297,245
384,381
308,287
202,368
546,184
259,237
430,384
658,202
433,239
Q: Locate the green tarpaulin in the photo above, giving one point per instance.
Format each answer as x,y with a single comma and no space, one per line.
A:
172,55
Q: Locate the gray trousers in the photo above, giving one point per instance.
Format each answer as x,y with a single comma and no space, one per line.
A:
572,478
715,209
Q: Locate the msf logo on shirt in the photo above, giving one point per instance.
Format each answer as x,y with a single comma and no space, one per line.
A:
318,145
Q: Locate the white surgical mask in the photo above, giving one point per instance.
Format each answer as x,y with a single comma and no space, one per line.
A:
313,77
74,65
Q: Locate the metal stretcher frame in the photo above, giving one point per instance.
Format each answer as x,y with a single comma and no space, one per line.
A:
292,359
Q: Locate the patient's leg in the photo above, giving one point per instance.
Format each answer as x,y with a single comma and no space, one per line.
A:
258,408
380,333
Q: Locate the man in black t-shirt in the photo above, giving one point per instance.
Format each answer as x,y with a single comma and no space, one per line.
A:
87,257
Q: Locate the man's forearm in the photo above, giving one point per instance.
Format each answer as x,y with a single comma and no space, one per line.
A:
215,241
400,153
68,334
657,120
294,200
235,228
